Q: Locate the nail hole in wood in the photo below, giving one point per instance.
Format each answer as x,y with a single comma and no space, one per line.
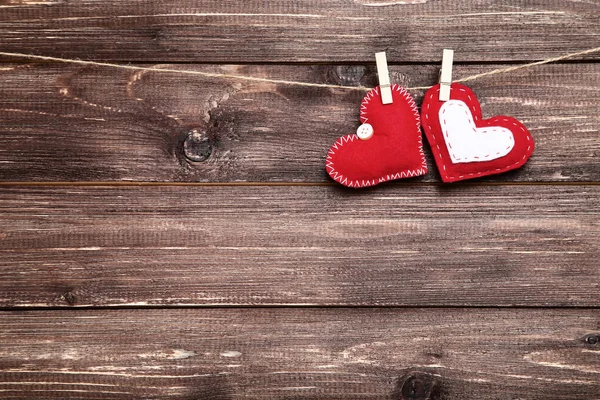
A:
197,146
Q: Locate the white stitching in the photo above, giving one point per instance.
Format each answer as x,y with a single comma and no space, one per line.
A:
463,107
363,117
438,155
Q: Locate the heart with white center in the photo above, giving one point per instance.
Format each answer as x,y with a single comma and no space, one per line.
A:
466,146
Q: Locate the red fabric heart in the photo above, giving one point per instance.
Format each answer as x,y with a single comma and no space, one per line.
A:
464,145
394,151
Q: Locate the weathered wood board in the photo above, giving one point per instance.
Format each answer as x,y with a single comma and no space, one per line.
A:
64,123
298,31
532,245
400,354
130,271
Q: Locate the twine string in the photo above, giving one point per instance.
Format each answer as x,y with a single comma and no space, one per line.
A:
281,81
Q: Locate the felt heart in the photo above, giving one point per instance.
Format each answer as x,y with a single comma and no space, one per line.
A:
464,145
394,151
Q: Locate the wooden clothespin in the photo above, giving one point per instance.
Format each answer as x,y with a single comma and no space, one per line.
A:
446,74
384,78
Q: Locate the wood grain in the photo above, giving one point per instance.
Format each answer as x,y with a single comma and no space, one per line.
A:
151,287
460,245
64,123
451,354
298,31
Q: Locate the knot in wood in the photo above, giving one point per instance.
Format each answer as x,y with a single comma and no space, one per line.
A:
349,74
69,297
418,386
197,146
592,339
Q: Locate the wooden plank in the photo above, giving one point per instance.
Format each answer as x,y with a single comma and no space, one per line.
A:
530,245
298,31
450,354
64,123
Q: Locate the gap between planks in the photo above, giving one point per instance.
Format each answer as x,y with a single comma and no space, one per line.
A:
275,184
292,306
466,63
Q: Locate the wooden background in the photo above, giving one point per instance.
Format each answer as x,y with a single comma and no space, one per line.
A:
166,236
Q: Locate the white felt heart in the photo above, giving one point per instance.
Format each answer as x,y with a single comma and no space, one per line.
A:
467,143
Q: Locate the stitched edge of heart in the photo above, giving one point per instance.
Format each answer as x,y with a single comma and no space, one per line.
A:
446,177
335,175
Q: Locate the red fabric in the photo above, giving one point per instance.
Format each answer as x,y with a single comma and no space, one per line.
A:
394,151
520,153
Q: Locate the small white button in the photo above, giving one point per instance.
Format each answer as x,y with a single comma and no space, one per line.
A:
365,131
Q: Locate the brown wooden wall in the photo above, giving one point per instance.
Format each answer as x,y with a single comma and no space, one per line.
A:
167,236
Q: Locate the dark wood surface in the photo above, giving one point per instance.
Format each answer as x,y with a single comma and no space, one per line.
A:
167,236
533,245
300,30
337,353
63,123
